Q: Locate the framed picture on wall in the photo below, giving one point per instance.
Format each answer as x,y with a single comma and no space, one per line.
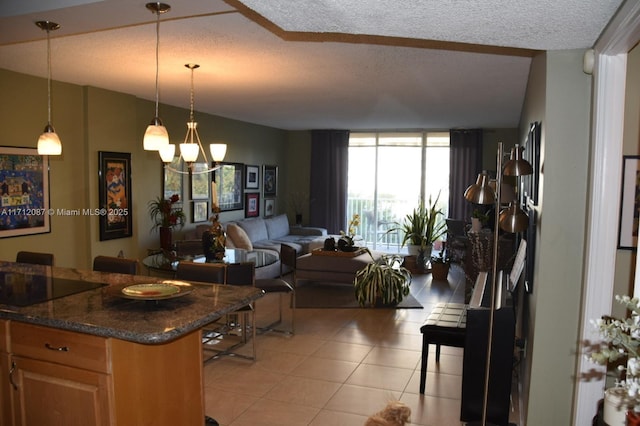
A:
114,176
252,177
530,183
200,211
252,204
269,207
229,181
199,182
172,180
270,181
24,192
629,203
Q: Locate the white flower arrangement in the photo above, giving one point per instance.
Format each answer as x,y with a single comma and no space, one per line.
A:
621,340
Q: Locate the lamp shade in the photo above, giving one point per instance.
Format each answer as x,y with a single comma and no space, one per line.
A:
189,151
480,192
517,166
156,136
49,142
167,153
218,151
513,219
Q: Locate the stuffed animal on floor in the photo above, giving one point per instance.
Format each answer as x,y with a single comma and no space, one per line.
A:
394,414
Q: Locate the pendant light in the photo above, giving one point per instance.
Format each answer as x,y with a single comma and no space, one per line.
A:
156,135
49,142
191,148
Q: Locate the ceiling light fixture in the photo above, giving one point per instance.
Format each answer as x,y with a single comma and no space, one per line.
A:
49,142
191,148
156,135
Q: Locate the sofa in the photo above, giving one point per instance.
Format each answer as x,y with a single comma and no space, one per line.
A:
262,234
270,233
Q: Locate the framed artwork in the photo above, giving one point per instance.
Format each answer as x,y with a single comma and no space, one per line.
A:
252,204
252,177
172,180
229,181
200,211
24,192
270,181
114,176
629,203
199,182
531,183
530,252
269,207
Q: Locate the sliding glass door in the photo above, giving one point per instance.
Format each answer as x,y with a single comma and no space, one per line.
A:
388,175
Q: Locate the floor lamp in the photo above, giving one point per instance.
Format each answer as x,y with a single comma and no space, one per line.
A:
511,219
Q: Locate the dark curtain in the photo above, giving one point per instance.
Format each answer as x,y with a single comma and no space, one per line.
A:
465,162
328,192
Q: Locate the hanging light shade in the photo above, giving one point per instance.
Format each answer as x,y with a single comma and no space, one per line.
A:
480,192
218,151
156,135
517,166
191,148
49,142
513,219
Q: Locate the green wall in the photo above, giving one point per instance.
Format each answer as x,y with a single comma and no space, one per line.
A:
559,96
89,120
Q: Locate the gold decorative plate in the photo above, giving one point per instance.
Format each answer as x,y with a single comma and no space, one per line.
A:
156,291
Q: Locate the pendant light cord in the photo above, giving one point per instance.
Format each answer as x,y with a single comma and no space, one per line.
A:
48,78
157,58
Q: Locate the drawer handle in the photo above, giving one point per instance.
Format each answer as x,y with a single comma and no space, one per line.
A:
59,348
13,368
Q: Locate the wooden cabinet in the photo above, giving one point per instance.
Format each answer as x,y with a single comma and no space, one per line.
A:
63,377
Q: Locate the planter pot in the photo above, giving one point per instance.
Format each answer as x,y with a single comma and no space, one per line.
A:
613,410
413,249
633,418
440,271
166,238
476,225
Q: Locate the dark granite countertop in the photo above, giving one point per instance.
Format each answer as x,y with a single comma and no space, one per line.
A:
100,311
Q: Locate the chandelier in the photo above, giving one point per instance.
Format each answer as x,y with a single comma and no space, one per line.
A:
191,148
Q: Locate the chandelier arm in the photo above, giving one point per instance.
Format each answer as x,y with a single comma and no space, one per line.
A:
168,166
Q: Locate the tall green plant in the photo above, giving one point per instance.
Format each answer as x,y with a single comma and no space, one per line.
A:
424,225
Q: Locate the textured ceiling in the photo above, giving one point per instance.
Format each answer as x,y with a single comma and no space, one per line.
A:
377,64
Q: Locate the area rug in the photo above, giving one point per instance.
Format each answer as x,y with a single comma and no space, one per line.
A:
326,295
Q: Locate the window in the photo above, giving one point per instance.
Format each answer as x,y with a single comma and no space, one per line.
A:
388,175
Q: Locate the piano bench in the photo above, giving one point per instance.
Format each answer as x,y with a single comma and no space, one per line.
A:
445,325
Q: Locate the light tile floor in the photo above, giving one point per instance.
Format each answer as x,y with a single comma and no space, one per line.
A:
341,366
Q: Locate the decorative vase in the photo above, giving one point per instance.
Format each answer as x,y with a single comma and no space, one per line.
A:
214,243
298,218
166,237
614,409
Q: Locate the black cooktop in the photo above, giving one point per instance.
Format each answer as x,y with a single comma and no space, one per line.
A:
23,289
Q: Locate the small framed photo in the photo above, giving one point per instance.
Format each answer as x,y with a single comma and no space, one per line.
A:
252,177
252,204
629,203
270,180
199,211
269,207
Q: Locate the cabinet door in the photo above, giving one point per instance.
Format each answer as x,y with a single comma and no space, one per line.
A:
53,394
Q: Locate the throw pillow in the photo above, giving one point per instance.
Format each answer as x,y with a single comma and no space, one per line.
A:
239,237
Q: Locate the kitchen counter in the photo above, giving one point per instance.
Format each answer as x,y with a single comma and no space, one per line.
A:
101,312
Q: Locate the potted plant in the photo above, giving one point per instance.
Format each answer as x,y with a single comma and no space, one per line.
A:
346,242
478,220
620,348
165,216
384,282
440,265
422,227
